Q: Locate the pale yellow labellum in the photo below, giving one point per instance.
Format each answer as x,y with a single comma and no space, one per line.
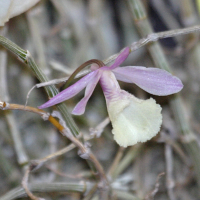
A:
12,8
134,120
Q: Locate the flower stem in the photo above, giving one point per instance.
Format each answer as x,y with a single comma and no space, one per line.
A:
51,91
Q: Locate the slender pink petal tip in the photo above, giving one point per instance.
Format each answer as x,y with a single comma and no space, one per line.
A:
77,112
48,104
43,106
121,58
79,109
180,85
127,49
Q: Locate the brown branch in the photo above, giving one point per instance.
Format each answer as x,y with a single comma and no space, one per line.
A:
25,185
83,151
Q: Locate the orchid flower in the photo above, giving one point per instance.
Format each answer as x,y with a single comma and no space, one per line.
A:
133,120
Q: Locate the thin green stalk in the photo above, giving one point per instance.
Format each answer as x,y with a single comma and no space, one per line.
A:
51,91
127,160
156,52
4,96
45,188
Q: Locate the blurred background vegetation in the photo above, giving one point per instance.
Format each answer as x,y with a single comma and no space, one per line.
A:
63,34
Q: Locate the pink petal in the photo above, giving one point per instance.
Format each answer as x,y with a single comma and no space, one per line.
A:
155,81
80,107
121,58
70,91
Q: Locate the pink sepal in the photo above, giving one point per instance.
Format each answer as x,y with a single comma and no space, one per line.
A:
152,80
121,58
70,91
79,109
